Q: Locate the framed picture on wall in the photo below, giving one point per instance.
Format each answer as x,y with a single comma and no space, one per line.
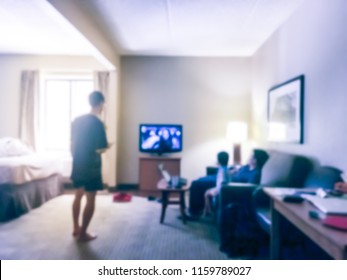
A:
285,111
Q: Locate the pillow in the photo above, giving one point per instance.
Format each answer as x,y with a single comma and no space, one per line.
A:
285,170
323,177
10,147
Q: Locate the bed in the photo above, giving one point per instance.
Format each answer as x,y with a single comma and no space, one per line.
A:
27,179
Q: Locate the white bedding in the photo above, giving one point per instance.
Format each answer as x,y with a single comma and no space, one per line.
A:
22,169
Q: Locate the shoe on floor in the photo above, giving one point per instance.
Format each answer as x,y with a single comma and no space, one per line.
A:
122,197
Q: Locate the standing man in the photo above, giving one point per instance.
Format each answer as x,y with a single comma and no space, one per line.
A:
88,141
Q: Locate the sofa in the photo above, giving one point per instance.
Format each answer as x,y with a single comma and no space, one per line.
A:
246,208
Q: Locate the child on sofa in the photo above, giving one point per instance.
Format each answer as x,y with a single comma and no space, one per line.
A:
222,178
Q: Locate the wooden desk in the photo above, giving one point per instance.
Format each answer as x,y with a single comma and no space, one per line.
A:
332,241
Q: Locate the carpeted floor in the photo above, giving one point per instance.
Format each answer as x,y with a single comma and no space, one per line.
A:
126,231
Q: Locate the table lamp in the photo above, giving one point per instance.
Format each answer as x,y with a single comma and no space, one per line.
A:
237,133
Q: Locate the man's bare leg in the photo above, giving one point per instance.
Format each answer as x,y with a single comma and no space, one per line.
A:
87,216
76,207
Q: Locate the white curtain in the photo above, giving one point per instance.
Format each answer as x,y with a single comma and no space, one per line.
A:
29,108
102,83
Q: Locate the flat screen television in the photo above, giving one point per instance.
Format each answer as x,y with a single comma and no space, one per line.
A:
160,138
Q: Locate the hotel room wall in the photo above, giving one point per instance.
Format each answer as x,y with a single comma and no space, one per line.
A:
312,42
202,94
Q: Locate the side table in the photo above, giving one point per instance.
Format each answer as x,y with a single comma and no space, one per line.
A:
166,191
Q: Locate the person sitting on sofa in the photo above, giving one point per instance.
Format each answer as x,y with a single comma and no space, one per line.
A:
222,178
249,173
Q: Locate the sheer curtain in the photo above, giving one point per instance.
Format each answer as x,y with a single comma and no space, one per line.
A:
29,108
102,83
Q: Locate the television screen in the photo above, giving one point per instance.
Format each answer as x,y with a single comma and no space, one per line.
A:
160,138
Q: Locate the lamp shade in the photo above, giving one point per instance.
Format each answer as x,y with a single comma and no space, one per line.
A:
237,132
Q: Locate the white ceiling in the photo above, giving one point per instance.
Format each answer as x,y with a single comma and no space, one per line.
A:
35,27
147,27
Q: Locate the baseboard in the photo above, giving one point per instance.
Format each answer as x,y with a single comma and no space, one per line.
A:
119,187
126,187
68,185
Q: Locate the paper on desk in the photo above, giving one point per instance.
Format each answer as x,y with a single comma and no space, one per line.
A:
329,205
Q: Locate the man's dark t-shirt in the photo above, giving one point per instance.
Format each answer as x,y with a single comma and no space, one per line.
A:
247,175
87,135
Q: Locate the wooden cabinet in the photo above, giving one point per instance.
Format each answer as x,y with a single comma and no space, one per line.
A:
150,174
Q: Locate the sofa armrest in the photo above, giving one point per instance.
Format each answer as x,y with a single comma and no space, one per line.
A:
260,199
236,192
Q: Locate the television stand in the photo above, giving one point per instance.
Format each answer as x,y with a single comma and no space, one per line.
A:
149,174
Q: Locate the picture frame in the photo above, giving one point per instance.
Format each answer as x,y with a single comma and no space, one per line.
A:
286,111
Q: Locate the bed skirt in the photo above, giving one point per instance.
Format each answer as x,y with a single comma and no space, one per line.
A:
16,200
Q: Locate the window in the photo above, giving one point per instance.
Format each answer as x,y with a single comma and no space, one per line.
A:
64,99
